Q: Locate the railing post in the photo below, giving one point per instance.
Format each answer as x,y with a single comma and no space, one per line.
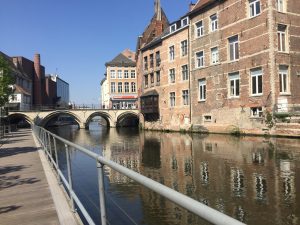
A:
49,145
101,192
56,160
70,177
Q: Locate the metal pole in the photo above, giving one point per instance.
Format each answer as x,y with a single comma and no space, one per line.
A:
56,160
70,177
101,192
49,144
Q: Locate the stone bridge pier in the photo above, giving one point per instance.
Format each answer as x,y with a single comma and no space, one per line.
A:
83,117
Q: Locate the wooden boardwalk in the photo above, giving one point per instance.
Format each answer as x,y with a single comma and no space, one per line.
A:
25,197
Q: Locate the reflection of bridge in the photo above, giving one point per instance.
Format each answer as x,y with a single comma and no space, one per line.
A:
82,116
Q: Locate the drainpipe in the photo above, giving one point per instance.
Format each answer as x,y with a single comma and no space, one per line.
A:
189,69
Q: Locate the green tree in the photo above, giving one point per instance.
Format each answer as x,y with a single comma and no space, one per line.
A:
6,80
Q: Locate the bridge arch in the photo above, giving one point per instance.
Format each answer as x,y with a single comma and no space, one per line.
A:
17,118
106,116
127,118
43,121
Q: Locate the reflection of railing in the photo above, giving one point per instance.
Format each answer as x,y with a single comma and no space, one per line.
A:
48,142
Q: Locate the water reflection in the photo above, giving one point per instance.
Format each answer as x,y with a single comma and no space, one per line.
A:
252,179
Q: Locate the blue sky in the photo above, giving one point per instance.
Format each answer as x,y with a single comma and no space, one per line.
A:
77,37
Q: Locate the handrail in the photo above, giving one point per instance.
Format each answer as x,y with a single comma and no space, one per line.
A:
209,214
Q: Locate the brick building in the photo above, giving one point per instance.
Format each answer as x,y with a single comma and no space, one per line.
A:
165,101
122,81
244,62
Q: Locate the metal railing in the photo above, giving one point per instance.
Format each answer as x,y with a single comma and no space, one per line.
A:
48,142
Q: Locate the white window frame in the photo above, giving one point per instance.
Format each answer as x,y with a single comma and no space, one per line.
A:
172,53
253,10
173,28
120,74
234,85
256,112
132,74
183,23
280,5
283,79
233,45
214,55
126,87
172,96
185,97
120,87
126,74
199,30
256,73
184,48
213,22
172,75
202,90
199,61
113,74
282,38
185,72
133,87
112,87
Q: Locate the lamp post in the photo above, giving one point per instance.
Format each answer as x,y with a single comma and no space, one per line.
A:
1,78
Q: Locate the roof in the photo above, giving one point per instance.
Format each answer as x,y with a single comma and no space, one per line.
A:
102,81
201,4
121,60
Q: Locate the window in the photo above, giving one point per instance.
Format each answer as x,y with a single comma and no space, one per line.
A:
214,55
120,87
234,48
199,59
234,84
172,99
112,74
132,74
145,62
113,87
199,29
119,73
126,87
256,81
157,58
280,5
184,48
133,87
207,118
152,78
213,23
171,53
256,112
202,89
283,79
185,97
281,33
184,21
173,28
254,7
172,75
185,72
126,74
157,77
151,61
146,81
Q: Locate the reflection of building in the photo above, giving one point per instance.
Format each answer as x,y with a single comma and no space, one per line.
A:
122,81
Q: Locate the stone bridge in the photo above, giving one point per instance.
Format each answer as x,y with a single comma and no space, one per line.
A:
82,116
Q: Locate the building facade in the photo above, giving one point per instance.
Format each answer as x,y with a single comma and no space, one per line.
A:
165,93
104,93
244,62
62,91
122,81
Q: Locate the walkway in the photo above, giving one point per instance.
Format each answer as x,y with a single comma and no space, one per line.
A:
25,196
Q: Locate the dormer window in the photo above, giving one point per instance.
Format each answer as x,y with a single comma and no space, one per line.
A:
184,21
173,28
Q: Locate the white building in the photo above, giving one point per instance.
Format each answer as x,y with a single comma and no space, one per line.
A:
104,93
62,91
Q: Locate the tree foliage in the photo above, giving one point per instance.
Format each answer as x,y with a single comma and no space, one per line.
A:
6,80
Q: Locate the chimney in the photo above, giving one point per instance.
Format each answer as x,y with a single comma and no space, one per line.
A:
191,6
37,80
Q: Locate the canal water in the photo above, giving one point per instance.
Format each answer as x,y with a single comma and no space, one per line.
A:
253,179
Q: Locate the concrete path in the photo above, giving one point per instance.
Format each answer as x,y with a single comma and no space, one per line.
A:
25,196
